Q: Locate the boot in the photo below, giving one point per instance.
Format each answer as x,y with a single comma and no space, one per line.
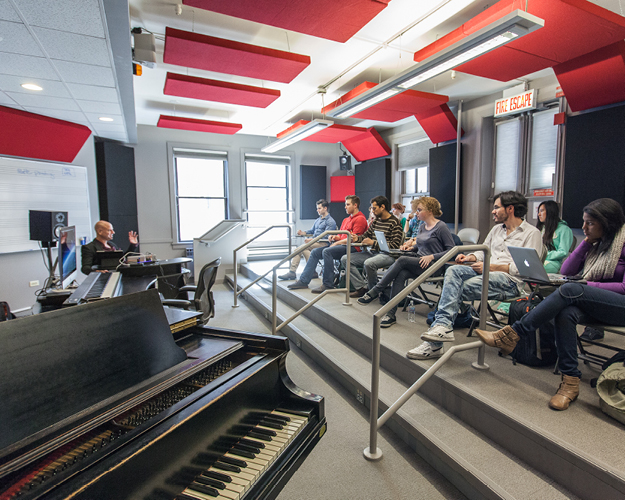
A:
567,393
505,339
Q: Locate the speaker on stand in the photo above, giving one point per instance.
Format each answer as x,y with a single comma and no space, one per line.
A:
44,227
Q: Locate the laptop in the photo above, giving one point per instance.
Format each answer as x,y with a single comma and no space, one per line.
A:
383,244
531,268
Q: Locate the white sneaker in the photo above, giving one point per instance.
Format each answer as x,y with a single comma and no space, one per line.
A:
424,351
439,333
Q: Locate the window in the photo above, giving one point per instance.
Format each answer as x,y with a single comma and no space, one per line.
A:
268,194
201,187
413,161
544,150
507,155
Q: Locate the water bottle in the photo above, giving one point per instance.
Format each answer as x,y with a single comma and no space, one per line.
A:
411,312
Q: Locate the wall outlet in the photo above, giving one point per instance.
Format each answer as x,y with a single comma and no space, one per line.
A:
360,397
33,283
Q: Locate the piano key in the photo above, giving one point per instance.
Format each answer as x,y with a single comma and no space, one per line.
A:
235,450
229,459
246,447
219,476
207,481
256,444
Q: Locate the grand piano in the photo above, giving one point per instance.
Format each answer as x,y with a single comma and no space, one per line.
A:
101,401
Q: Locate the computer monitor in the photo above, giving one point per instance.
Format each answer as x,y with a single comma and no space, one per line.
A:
67,255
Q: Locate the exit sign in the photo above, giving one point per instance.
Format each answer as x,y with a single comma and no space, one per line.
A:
515,104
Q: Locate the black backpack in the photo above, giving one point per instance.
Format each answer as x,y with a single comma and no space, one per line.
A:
536,349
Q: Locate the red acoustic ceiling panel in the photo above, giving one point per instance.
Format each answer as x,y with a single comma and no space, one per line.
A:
408,103
367,146
572,28
35,136
217,91
329,19
193,50
336,133
594,79
439,124
342,186
180,123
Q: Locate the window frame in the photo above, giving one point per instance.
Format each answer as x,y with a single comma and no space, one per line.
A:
193,151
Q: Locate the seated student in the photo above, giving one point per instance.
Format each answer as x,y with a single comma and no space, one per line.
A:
372,260
324,222
433,240
103,241
601,260
355,223
412,228
557,235
398,211
464,282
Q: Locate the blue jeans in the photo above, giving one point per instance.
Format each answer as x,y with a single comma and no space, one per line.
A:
571,304
463,283
371,262
311,264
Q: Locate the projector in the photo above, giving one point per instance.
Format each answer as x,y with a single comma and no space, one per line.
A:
144,51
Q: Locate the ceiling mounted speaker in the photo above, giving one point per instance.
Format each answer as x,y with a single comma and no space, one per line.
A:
345,161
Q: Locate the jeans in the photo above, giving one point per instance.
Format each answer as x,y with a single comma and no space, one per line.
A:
311,264
371,263
571,304
463,283
306,253
405,267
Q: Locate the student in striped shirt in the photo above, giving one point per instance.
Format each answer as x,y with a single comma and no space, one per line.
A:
372,259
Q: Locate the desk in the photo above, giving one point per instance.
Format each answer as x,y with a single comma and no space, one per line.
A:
158,268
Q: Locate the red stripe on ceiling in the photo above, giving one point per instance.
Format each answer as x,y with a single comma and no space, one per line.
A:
367,146
329,19
342,186
193,50
594,79
336,133
180,123
439,124
286,131
572,28
218,91
35,136
404,105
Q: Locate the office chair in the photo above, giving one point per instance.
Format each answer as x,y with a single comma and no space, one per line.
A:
469,235
203,296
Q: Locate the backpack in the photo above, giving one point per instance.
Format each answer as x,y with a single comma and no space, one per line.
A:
611,387
5,312
539,348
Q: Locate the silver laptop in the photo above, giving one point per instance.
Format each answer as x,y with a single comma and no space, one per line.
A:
383,244
531,268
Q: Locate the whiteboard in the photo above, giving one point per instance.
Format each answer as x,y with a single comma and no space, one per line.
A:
33,185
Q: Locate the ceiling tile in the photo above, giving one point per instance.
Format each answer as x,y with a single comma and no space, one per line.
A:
17,39
70,116
5,100
95,119
7,12
42,101
100,107
74,16
84,73
20,65
10,83
76,48
92,92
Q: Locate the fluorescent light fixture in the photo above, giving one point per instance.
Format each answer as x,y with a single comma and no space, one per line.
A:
31,86
297,135
105,119
508,28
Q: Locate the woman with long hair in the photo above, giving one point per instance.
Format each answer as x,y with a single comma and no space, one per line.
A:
557,235
432,242
398,211
600,259
412,228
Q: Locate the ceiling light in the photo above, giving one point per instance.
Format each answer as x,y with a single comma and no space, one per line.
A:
105,119
31,86
297,135
508,28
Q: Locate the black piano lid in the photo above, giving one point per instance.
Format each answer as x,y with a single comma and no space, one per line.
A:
56,366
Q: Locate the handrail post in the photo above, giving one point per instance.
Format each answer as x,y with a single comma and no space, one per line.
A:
236,271
274,300
479,364
347,269
373,452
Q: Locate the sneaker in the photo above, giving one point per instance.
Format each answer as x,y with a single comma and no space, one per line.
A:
439,333
387,321
288,276
424,351
592,334
320,289
297,285
366,298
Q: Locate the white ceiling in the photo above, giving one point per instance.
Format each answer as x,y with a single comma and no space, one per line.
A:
67,47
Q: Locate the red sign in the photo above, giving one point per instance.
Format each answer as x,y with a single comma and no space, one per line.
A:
559,92
543,192
515,104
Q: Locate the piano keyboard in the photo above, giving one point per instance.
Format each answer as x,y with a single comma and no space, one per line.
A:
232,465
104,287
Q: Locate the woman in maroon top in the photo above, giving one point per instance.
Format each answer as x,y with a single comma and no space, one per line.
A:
600,259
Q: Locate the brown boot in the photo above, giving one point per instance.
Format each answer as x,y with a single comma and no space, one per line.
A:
567,393
504,339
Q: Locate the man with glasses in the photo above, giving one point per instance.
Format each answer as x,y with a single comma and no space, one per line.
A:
464,282
324,222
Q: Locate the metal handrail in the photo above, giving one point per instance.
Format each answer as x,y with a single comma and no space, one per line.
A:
274,291
236,266
373,452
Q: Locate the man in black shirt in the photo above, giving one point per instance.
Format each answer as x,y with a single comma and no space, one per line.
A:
103,241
